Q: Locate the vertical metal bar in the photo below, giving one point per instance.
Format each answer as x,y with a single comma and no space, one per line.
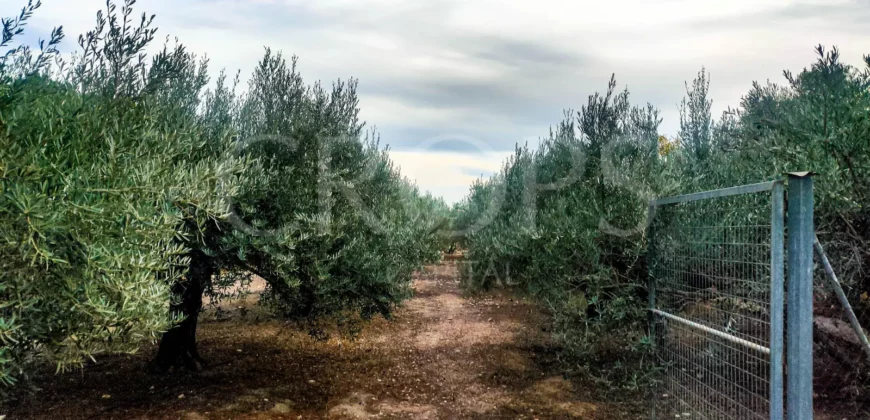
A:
651,260
650,256
800,296
777,299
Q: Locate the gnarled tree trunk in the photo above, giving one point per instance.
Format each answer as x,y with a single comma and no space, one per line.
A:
178,345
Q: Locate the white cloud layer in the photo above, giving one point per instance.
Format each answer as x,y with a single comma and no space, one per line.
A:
447,174
491,73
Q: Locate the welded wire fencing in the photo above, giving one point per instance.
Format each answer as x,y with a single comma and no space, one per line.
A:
716,303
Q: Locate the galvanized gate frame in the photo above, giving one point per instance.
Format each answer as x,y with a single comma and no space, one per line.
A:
800,251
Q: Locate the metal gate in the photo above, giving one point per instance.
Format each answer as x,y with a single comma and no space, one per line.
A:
717,301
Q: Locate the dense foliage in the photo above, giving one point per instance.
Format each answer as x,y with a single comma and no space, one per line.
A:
567,222
128,190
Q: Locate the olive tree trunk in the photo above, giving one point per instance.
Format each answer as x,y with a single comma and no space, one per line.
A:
178,345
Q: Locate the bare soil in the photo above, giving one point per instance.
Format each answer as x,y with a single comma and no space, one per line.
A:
442,356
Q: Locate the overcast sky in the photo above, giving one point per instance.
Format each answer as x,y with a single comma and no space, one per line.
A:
453,85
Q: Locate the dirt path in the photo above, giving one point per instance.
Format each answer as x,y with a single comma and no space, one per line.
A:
443,356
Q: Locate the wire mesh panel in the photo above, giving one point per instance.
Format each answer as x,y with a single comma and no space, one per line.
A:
711,303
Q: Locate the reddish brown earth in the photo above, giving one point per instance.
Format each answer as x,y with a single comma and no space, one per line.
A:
443,356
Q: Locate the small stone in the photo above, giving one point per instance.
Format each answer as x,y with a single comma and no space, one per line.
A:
180,396
281,408
311,381
106,396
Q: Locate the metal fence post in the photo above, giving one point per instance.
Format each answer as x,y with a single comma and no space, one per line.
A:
651,297
800,296
650,246
777,300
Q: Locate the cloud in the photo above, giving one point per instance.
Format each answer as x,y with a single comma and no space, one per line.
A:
447,174
818,15
448,78
478,172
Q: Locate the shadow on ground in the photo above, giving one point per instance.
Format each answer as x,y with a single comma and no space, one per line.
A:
443,356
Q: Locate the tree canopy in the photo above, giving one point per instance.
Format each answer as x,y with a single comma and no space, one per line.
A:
578,243
130,187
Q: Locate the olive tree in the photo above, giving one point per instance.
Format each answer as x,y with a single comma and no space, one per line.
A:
96,180
130,191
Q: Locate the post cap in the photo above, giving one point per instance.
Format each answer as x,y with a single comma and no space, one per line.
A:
801,174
